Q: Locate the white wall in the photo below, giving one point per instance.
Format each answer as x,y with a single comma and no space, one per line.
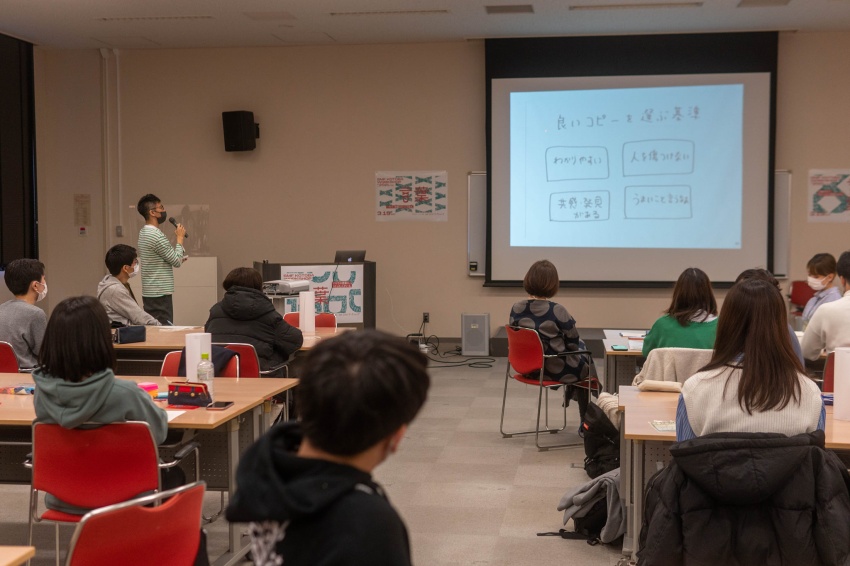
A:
330,117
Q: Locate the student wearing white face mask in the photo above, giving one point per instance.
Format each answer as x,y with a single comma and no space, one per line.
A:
22,324
824,283
114,292
829,327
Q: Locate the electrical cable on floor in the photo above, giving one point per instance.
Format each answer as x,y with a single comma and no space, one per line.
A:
478,362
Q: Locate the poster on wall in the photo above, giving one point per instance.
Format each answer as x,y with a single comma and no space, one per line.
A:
338,289
829,195
411,195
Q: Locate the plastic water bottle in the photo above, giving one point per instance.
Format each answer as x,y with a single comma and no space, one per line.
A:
206,372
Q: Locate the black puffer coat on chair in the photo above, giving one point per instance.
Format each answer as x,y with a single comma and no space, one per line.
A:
743,499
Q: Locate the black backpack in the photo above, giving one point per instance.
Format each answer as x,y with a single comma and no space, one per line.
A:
601,442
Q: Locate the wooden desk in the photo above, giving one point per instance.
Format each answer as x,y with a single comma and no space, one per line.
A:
223,435
15,555
641,444
620,365
145,358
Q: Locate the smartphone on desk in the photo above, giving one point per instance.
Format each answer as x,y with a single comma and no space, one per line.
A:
219,405
619,348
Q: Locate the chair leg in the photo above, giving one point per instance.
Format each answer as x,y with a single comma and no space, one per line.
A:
56,526
214,517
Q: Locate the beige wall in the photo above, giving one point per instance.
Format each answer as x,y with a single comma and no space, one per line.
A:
330,117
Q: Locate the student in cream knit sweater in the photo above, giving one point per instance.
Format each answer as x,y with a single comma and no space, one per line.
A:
754,381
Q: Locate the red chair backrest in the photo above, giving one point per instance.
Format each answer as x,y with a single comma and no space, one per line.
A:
829,373
800,293
133,535
249,363
525,350
323,319
94,467
8,359
171,363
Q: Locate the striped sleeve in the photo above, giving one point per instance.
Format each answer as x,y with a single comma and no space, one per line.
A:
157,258
683,425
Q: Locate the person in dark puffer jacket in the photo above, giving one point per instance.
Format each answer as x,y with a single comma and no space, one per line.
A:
740,499
246,315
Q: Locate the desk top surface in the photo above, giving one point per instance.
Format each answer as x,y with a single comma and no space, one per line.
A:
246,393
14,555
168,338
612,337
643,407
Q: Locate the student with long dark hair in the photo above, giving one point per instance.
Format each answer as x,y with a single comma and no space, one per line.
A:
76,382
754,381
691,319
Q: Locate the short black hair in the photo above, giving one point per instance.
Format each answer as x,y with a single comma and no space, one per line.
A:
20,273
243,277
78,341
146,204
842,268
118,256
359,388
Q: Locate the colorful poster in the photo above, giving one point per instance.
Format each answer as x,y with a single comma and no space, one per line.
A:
338,289
411,195
829,195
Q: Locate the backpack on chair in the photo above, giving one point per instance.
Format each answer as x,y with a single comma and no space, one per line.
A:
601,442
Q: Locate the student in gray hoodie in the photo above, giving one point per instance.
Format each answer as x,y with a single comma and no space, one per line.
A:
76,382
114,291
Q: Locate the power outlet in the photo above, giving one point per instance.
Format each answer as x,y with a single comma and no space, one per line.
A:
426,317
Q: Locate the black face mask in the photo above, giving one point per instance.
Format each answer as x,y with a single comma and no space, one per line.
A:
161,218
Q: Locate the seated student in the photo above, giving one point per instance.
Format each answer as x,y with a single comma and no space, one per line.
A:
306,486
754,381
22,323
823,282
557,329
829,327
76,382
247,315
751,483
114,292
766,275
691,319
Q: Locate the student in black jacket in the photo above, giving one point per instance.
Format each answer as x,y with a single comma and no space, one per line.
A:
246,315
306,487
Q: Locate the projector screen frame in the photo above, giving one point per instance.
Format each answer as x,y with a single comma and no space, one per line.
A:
681,54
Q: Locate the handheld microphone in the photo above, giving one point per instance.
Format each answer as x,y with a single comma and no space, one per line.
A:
171,219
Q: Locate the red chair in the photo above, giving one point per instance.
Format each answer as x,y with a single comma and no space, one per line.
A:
798,295
323,319
526,357
171,363
829,373
8,359
135,534
93,467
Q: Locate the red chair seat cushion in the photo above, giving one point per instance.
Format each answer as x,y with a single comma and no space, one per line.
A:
532,381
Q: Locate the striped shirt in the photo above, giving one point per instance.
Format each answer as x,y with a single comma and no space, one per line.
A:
156,259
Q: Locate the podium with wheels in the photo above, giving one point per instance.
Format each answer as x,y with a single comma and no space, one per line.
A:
344,289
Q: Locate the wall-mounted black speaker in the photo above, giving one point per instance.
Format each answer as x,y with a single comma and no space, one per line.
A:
240,131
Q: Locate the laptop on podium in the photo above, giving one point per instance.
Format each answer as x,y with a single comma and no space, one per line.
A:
350,256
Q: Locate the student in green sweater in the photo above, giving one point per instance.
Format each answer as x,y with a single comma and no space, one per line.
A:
691,319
